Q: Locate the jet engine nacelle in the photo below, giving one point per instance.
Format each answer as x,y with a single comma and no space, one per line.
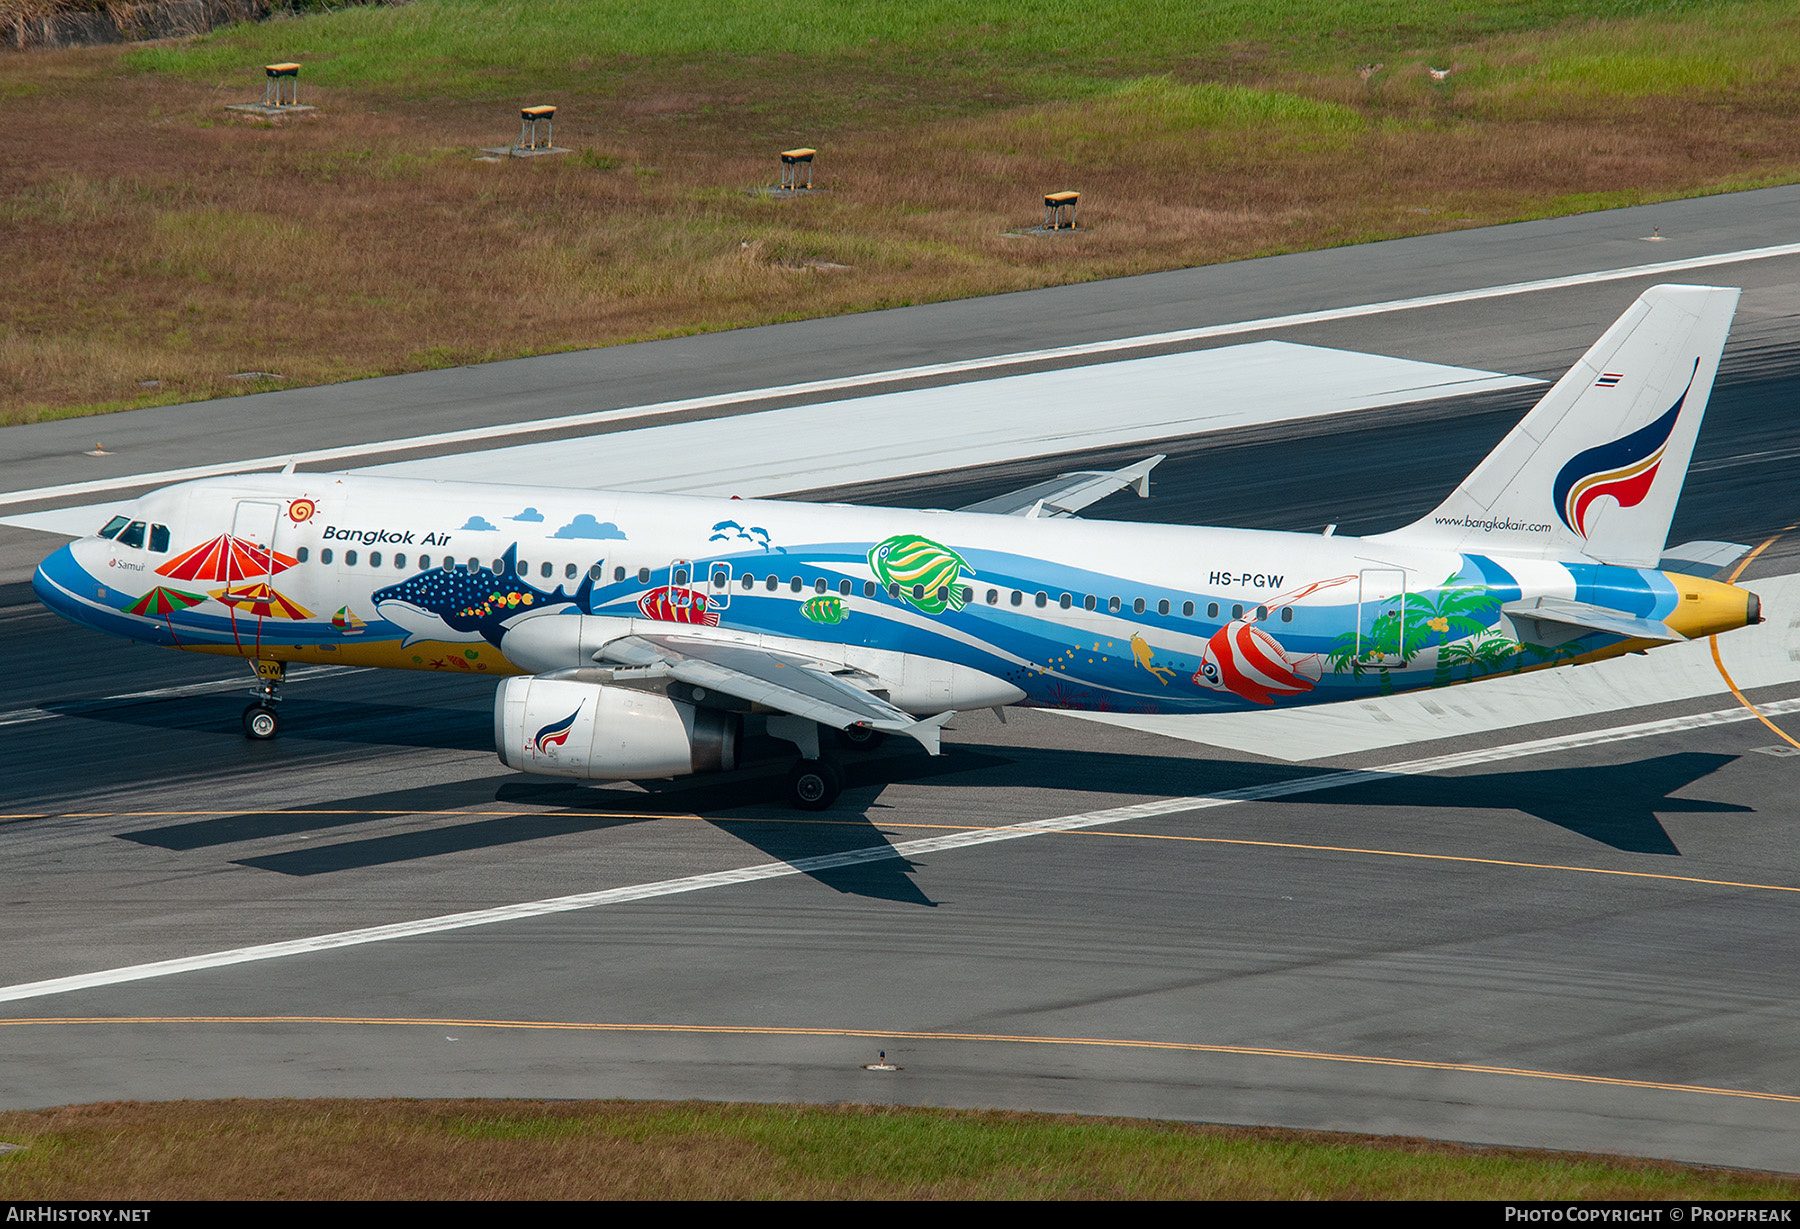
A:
565,728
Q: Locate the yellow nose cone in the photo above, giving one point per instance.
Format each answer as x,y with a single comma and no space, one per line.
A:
1708,607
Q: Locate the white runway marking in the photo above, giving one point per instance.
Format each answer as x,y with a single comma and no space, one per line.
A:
933,370
1765,655
986,422
875,853
894,435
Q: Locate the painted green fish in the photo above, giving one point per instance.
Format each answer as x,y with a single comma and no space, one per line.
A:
916,563
825,609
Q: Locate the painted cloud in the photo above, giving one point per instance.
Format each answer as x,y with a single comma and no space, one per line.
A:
585,526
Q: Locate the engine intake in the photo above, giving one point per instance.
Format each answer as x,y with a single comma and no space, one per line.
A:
565,728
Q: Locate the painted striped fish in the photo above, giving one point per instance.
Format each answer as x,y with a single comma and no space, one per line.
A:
918,564
1247,661
674,604
825,609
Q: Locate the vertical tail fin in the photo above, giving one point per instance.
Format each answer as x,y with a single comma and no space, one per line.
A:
1596,467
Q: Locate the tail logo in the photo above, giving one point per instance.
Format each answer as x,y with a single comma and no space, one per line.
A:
1624,469
555,734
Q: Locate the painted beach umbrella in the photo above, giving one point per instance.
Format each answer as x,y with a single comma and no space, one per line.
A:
261,600
226,558
164,601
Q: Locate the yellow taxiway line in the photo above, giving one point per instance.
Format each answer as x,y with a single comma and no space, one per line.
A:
876,1034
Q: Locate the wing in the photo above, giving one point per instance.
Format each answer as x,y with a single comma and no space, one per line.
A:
814,690
1070,493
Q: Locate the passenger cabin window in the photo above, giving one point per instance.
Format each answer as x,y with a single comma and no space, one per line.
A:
721,578
499,568
1089,602
424,563
374,558
749,581
1113,604
819,585
1042,599
1067,600
474,564
112,527
681,576
795,584
133,535
598,573
618,573
1287,614
159,539
1018,598
918,593
569,570
844,588
1237,611
1212,610
1137,607
1187,610
1262,612
870,588
1162,607
545,569
301,554
993,597
643,576
400,562
349,558
325,555
772,584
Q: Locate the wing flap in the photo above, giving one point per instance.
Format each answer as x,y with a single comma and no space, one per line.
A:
786,682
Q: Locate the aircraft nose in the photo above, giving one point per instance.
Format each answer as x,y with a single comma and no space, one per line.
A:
57,580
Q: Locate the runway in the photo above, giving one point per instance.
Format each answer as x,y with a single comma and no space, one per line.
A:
1570,931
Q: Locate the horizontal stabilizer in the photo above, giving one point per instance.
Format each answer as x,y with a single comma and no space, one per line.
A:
1553,620
1068,494
784,682
1701,558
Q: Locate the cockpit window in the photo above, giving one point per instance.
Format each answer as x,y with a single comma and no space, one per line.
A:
159,539
113,526
133,535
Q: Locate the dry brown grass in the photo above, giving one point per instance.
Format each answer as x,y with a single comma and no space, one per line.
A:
626,1150
154,238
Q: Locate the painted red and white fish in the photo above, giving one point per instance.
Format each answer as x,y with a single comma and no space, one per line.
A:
1247,661
674,604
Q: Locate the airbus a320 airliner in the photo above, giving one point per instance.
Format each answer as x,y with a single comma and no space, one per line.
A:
642,635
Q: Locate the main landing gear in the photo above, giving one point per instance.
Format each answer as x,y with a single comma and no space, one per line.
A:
261,721
813,785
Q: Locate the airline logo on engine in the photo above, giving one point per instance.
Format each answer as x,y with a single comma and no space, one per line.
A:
554,735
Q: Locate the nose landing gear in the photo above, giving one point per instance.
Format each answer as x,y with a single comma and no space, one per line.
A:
261,721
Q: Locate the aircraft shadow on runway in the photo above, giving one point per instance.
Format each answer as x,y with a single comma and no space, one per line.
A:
303,720
770,826
1617,805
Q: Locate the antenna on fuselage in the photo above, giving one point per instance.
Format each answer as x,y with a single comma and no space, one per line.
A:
289,467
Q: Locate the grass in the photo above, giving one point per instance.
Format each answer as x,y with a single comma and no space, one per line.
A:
574,1149
164,243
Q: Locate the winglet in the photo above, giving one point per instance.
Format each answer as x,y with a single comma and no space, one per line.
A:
926,731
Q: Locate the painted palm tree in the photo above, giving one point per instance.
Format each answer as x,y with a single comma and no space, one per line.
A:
1450,612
